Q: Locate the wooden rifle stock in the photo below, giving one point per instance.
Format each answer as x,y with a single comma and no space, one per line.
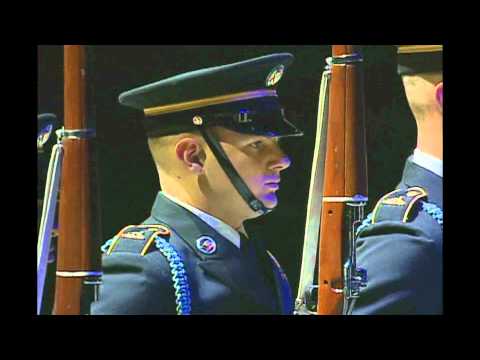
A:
78,255
345,174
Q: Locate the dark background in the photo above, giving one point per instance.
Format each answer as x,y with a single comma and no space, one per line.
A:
127,178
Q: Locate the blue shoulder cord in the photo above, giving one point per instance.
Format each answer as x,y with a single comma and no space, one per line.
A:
431,209
434,211
179,275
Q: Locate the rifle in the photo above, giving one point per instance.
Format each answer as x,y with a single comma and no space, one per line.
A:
338,190
78,260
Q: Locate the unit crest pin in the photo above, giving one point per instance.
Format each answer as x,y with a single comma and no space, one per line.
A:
206,245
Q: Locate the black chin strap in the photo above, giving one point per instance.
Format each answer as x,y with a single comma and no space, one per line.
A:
222,158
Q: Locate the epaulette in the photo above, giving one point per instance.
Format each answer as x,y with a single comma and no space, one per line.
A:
146,233
398,205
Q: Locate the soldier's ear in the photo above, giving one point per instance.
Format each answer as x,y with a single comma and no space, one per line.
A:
191,153
439,94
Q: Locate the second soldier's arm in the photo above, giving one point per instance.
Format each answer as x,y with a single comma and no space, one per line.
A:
404,266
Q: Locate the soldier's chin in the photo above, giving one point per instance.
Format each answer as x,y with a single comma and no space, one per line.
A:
269,200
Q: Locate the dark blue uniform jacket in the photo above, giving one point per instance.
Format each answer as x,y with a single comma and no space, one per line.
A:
402,249
228,281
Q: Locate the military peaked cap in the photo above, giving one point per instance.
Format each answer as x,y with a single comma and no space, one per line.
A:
414,59
240,96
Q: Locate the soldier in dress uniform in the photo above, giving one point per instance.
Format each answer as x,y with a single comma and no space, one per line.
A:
400,242
213,134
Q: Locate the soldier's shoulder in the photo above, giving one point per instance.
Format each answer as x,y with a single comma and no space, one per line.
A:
132,272
142,258
140,240
404,234
405,209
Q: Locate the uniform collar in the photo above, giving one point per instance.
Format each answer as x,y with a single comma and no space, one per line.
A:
190,228
416,175
218,225
428,161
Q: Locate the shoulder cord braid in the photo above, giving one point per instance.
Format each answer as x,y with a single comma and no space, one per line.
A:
434,211
179,275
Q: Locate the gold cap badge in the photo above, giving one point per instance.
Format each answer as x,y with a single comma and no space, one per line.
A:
275,75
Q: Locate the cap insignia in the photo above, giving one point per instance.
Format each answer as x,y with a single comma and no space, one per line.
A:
44,135
275,75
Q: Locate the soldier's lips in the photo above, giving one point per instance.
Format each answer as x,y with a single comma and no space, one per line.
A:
272,185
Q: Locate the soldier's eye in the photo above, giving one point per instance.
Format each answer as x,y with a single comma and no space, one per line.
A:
257,144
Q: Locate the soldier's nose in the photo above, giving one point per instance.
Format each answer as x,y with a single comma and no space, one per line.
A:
282,163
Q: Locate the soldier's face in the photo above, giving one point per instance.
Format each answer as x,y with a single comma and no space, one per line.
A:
259,161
